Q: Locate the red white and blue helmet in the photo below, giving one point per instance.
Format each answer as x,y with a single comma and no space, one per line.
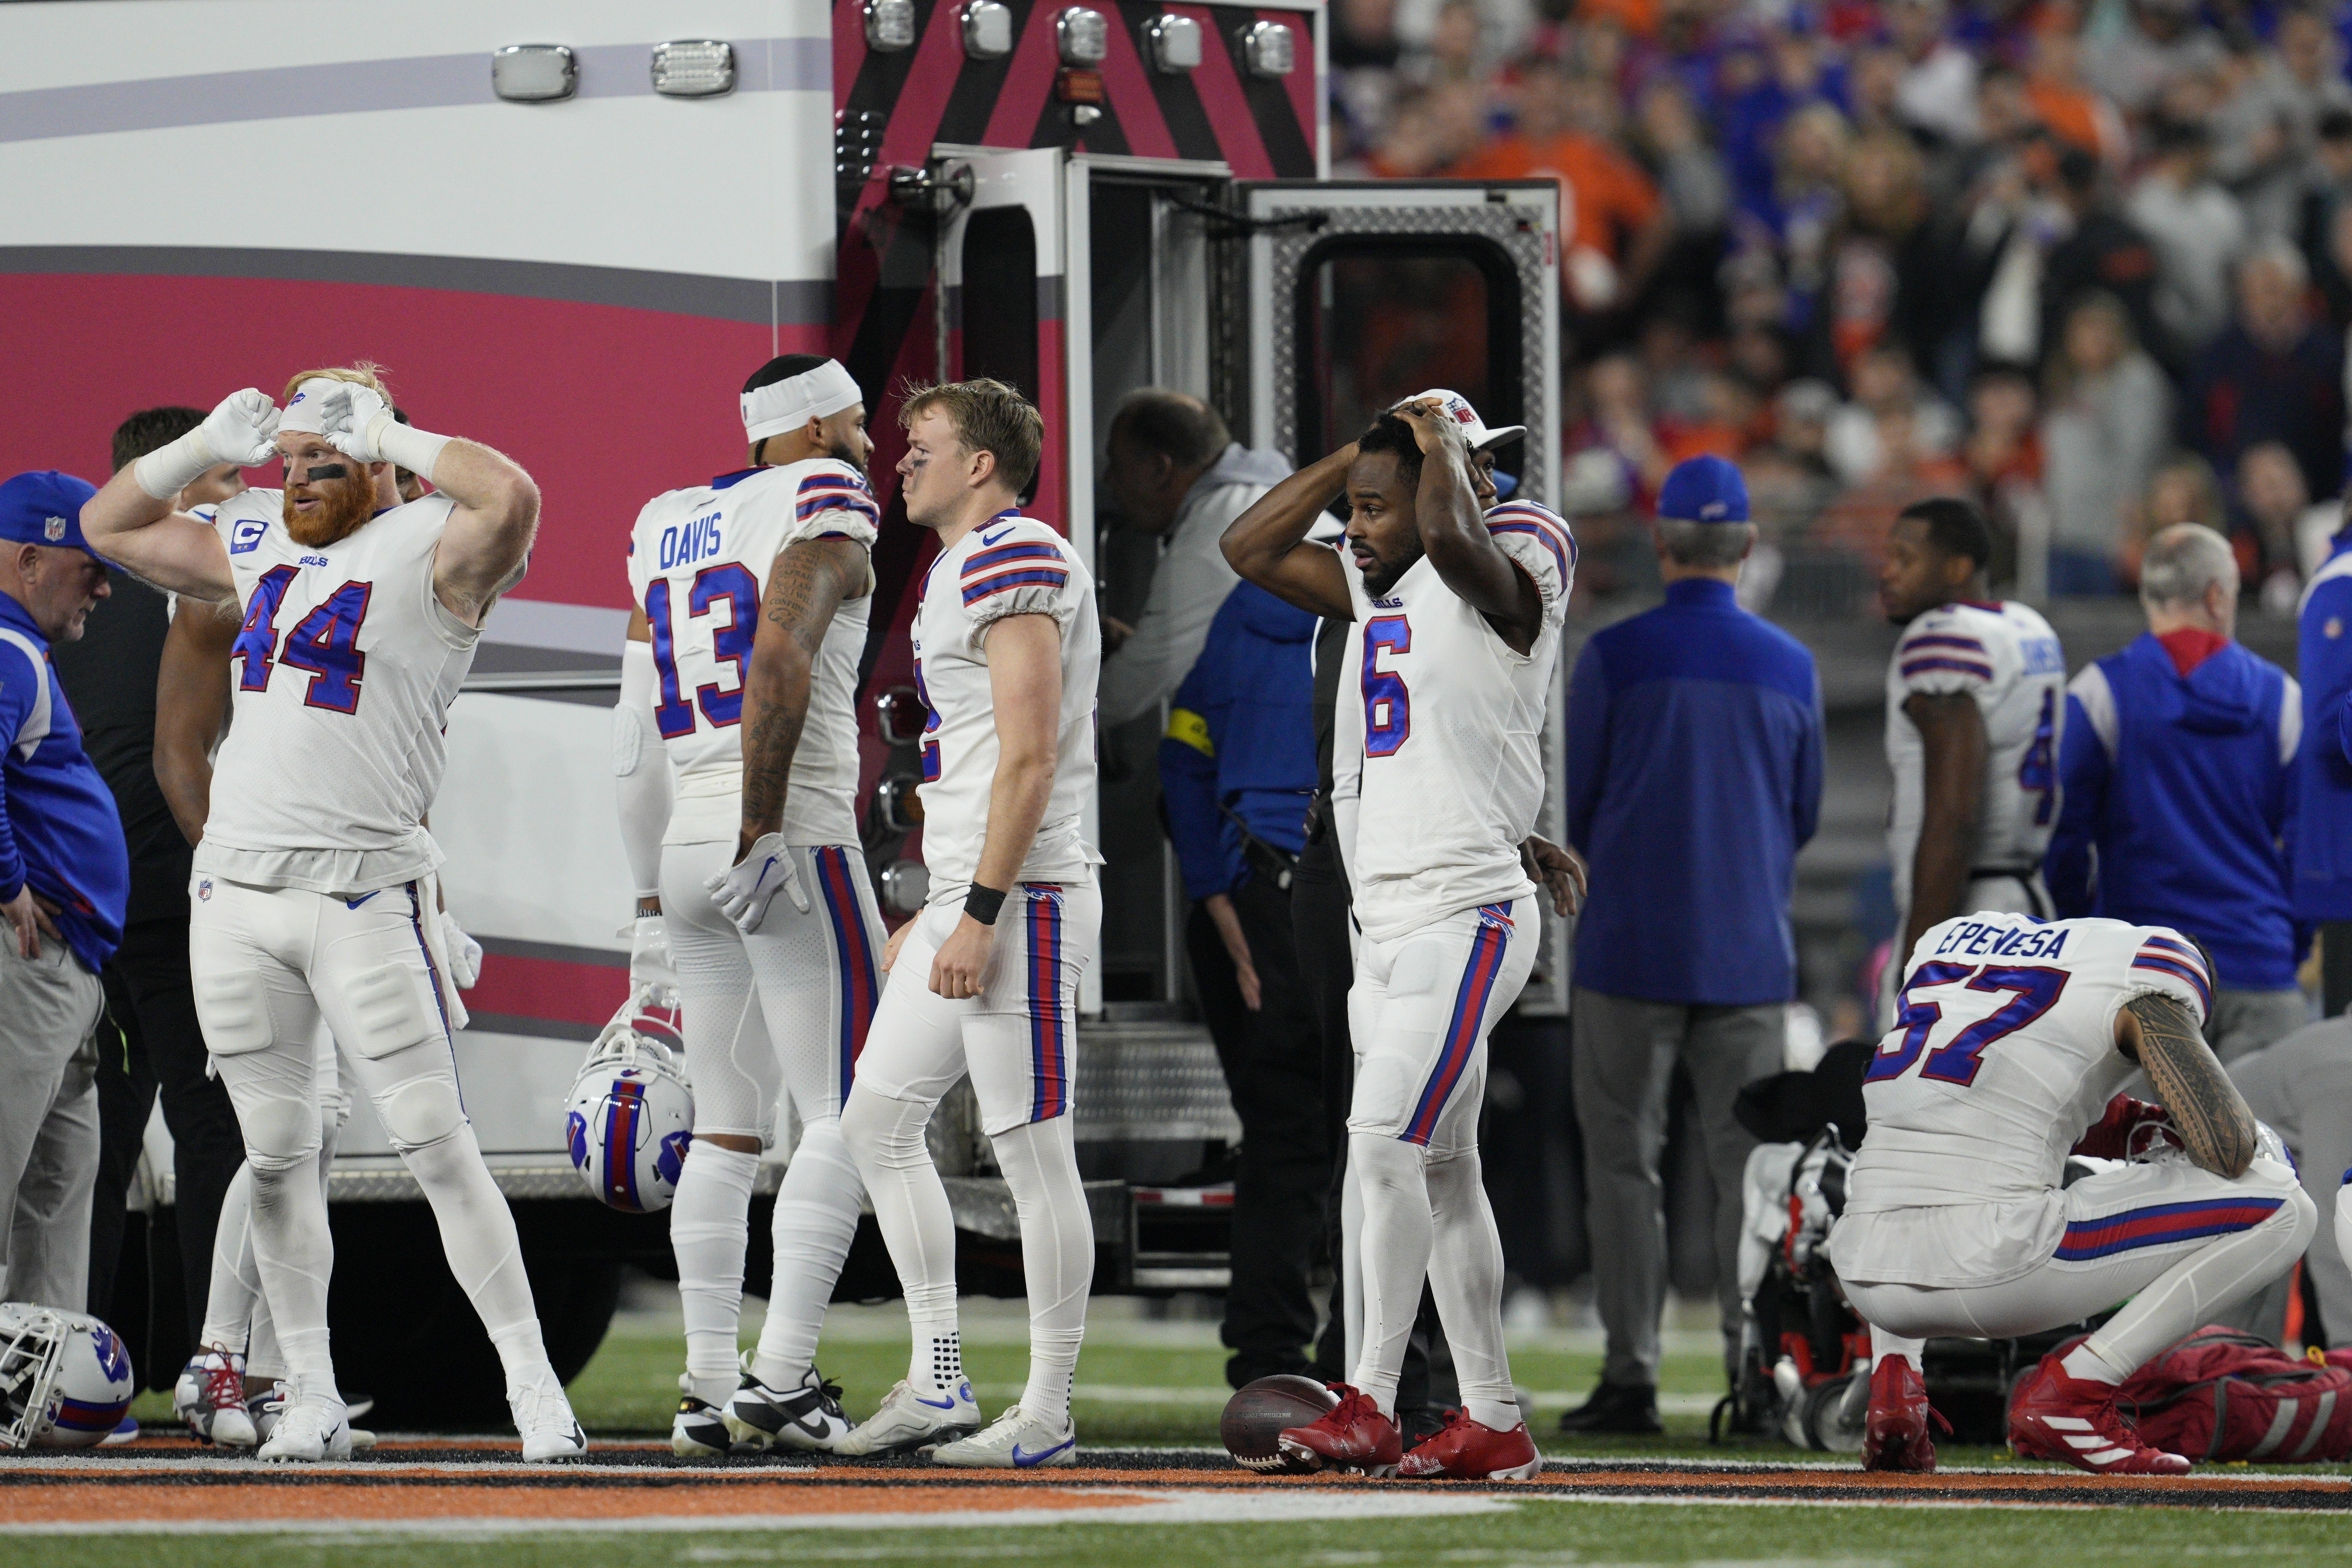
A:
65,1378
631,1115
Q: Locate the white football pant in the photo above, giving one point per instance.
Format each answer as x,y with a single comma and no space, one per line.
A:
1420,1013
268,964
786,1008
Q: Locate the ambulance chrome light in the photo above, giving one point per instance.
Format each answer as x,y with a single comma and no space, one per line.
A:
1083,36
889,25
1175,43
987,30
1271,49
534,73
696,67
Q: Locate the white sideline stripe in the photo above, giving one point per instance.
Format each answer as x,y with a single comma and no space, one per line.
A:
1120,1394
1224,1506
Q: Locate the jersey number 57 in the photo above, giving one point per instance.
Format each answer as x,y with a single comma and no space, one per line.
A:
2033,991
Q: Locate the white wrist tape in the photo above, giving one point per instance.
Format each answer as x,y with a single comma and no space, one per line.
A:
168,470
415,450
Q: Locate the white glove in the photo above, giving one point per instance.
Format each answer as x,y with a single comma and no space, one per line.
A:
243,430
2269,1145
464,953
741,892
360,425
649,959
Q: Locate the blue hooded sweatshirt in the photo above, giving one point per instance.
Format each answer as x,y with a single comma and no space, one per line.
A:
59,832
2179,796
1241,736
2322,838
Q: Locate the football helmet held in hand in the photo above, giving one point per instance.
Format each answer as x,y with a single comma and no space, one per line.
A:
630,1119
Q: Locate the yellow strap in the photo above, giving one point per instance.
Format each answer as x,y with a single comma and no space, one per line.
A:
1189,727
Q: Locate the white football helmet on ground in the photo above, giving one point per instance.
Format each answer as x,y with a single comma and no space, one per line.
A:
65,1378
631,1114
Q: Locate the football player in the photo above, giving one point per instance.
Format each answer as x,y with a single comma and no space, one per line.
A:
1976,698
985,979
1460,614
315,893
751,599
2011,1038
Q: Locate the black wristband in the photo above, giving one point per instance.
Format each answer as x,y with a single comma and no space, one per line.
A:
984,903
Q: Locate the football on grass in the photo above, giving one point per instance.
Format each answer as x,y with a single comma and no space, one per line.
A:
1258,1414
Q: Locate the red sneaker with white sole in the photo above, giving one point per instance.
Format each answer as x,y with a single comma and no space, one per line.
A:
1467,1450
1894,1434
1351,1436
2075,1421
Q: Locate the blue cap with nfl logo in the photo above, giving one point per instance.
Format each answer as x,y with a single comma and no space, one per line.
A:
43,507
1704,490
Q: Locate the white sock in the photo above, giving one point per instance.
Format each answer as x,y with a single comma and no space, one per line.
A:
2195,1291
1465,1276
1398,1237
1883,1344
708,1222
816,1219
1057,1257
885,1139
235,1292
294,1253
478,1237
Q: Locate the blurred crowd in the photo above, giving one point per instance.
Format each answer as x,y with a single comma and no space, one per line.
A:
2088,261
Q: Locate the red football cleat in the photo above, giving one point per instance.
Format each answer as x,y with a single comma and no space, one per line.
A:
1894,1434
2073,1420
1351,1436
1467,1450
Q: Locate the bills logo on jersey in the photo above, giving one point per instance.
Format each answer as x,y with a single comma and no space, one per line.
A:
244,535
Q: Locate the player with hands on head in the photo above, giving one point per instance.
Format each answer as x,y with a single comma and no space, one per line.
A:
2012,1040
316,894
736,746
1460,610
985,981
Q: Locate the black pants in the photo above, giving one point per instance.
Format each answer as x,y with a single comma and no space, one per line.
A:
1318,911
150,994
126,1094
1272,1060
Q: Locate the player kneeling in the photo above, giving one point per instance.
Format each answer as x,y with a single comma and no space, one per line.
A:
2010,1041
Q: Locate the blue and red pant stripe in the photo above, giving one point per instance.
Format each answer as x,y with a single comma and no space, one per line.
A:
1463,1028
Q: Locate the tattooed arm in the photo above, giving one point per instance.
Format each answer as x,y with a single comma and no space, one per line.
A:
808,583
2161,1035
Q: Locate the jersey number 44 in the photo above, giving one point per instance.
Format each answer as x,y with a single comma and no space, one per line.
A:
324,645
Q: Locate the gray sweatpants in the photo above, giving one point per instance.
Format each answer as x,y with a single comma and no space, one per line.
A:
2303,1086
2246,1021
49,1009
1623,1063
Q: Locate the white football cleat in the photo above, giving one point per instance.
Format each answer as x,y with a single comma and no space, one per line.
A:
808,1418
308,1429
210,1397
907,1421
543,1415
1015,1442
263,1412
699,1429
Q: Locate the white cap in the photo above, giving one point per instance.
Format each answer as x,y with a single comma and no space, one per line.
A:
792,402
1474,429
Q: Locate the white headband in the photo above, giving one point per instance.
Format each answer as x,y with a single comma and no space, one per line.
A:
792,402
317,403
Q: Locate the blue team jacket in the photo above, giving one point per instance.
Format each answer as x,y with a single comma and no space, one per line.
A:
2322,838
2183,786
1240,734
1693,777
58,828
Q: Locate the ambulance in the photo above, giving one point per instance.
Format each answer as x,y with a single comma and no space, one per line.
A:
569,228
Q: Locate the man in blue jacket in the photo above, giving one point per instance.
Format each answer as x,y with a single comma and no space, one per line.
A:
1236,771
2322,838
1693,777
65,880
2176,768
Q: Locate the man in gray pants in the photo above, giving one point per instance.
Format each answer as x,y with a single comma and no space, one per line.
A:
1694,776
65,880
2303,1087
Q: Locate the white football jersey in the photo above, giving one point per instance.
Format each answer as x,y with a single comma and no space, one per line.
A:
2005,657
2003,1051
1011,566
698,564
343,670
1451,732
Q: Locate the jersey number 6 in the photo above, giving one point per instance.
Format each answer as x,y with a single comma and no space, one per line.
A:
2032,991
325,644
1388,707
